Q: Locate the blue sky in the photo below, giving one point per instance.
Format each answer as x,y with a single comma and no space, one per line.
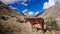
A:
29,7
33,6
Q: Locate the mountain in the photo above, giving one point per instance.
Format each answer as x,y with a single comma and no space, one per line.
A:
39,13
53,11
5,10
10,20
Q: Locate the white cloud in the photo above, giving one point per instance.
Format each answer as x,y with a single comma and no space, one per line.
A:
36,12
9,1
25,10
13,1
50,3
13,7
31,14
58,0
24,4
25,13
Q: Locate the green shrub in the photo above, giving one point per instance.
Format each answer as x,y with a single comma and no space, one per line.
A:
19,20
4,17
51,23
5,31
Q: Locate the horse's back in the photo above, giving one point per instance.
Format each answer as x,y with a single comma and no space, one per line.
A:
35,20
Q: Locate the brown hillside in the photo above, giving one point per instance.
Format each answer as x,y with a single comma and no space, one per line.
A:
53,11
5,10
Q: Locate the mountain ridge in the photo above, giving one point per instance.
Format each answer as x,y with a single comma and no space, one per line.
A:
5,10
53,11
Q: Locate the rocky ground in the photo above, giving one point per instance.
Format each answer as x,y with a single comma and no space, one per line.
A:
10,26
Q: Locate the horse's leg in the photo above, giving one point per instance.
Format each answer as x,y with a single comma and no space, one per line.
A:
32,27
42,25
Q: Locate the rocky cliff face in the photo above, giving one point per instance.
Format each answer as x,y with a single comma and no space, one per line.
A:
53,11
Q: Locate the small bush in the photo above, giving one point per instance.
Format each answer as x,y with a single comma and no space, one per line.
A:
5,31
4,17
19,20
50,23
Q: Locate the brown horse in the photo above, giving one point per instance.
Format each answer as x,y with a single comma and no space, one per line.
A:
34,21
